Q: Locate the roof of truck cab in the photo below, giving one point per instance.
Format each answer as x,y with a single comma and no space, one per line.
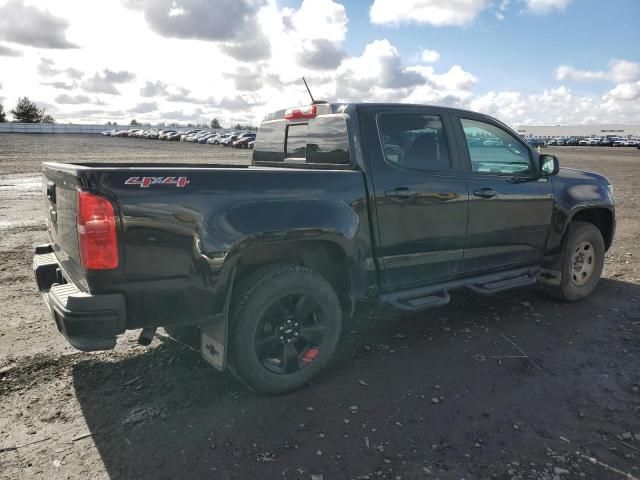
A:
348,105
412,105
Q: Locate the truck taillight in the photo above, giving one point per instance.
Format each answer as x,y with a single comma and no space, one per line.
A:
300,112
97,237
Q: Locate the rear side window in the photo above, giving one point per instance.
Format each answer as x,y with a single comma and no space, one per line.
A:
327,140
322,140
414,141
269,146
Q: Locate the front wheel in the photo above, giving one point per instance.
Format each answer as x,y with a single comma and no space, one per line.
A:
286,323
582,262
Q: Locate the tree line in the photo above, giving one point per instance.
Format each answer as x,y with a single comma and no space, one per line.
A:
27,111
214,124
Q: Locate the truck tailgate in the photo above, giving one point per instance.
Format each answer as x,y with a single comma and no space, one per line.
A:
60,189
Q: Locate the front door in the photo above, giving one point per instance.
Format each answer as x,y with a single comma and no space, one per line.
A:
420,193
510,203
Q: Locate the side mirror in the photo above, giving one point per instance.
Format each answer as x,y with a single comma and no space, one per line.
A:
549,164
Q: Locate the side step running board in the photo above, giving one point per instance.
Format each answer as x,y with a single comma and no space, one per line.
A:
496,286
417,299
421,298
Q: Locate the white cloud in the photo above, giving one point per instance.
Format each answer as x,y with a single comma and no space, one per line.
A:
564,72
506,104
560,106
32,26
432,12
317,19
452,88
105,82
318,29
247,79
72,99
442,13
619,71
145,107
624,91
9,52
232,23
154,89
502,8
623,70
162,74
61,85
429,56
47,68
546,6
378,74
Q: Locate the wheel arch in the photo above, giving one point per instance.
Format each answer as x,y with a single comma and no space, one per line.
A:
601,217
330,255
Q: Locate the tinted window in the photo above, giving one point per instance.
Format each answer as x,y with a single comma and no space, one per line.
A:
296,141
493,150
322,141
414,141
269,146
327,140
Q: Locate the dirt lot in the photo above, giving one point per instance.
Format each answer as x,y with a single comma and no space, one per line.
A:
432,395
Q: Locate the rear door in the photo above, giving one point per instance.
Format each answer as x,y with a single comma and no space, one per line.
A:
510,204
420,194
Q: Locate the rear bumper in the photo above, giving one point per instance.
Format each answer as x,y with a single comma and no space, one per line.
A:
88,322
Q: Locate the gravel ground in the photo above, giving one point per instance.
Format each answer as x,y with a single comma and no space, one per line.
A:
446,394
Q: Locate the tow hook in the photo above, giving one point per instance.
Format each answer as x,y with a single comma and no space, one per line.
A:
146,336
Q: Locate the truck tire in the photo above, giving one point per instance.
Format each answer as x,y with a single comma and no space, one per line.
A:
582,262
285,325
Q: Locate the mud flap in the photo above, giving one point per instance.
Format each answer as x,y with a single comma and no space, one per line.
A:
214,336
213,341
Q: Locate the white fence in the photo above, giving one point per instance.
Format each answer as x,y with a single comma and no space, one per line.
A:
10,127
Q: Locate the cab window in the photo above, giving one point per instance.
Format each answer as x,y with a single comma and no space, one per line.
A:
493,150
321,141
414,141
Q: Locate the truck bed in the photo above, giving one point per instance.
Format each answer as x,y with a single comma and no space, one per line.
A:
179,224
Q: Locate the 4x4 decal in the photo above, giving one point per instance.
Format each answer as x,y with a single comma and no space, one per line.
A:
146,182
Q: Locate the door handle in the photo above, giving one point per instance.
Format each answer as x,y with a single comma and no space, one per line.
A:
400,192
485,192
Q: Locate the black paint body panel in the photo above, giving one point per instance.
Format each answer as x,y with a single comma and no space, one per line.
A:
179,246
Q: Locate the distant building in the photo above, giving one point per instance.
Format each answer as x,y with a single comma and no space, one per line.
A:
604,130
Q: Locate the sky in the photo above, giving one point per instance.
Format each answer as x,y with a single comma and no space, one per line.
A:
526,62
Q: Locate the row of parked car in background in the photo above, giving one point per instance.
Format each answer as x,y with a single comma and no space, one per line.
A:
201,136
584,141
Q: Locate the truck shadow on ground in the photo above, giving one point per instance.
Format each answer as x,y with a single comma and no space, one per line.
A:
438,390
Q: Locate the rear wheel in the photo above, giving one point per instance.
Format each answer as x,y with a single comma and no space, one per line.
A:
286,323
582,262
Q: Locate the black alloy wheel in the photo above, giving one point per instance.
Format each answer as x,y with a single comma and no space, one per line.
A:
290,334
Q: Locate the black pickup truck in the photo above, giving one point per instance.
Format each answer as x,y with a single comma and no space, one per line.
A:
342,203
